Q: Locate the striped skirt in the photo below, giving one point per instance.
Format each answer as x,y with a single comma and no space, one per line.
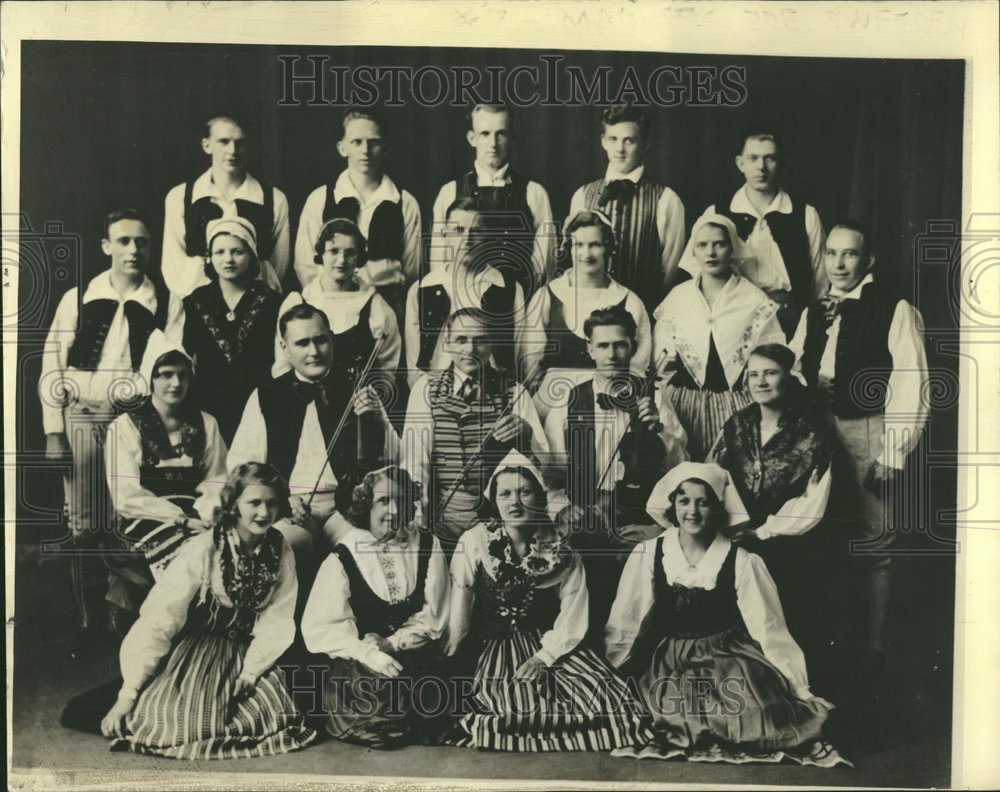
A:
580,704
186,712
703,413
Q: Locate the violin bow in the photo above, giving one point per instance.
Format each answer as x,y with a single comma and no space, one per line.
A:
346,414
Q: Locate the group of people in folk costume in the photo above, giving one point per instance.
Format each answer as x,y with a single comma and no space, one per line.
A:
575,488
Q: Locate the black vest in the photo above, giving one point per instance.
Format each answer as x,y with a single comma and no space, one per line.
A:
863,361
166,481
198,214
505,233
353,347
283,403
500,612
434,306
385,231
789,233
372,614
95,321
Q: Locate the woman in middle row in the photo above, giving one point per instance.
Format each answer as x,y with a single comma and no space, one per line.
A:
706,329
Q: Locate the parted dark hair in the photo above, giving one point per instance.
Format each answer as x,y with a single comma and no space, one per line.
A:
760,132
243,476
589,219
713,499
339,225
610,317
779,353
478,315
464,203
359,512
233,119
117,215
301,311
536,486
852,224
253,270
621,114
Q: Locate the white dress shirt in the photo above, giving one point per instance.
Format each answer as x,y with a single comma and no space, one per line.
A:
472,557
465,289
906,411
765,267
390,569
123,463
311,222
418,432
114,374
756,597
669,216
165,611
183,273
343,311
546,233
609,428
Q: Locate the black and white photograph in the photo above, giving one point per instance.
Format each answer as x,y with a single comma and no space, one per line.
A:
501,394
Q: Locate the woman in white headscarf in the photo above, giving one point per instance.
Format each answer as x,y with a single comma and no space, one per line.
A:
229,323
705,330
165,462
519,610
698,621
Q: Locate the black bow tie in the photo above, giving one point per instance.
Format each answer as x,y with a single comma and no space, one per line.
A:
311,392
620,400
619,190
831,307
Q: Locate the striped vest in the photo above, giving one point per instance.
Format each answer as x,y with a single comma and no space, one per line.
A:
637,261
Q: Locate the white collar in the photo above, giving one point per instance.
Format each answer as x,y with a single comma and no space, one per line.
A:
357,539
313,292
700,575
250,190
598,390
782,203
855,293
344,188
485,178
100,288
459,378
443,276
300,378
633,175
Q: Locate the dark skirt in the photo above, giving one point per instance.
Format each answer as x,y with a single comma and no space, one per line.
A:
581,704
720,689
364,708
186,710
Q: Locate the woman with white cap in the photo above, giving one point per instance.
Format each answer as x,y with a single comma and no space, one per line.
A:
229,323
518,586
699,621
377,609
555,353
705,330
165,461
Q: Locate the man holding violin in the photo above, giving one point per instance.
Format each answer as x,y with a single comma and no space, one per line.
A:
611,439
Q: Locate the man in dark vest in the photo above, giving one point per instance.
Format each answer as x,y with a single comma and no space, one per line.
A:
89,372
224,190
389,218
647,217
290,423
611,440
460,422
518,235
465,280
862,348
782,233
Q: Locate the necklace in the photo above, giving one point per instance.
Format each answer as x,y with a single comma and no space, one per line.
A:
231,316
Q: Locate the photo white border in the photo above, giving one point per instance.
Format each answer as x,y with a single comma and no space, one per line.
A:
947,29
